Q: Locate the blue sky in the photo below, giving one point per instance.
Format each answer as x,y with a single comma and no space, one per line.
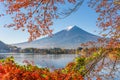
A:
84,18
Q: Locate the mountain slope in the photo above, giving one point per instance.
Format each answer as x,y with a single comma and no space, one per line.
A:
69,38
3,45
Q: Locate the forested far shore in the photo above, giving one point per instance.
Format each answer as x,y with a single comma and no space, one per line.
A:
48,51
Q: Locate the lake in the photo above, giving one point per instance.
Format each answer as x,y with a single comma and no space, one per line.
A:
52,61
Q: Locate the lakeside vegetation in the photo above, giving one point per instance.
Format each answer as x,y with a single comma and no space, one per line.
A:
9,70
81,68
36,17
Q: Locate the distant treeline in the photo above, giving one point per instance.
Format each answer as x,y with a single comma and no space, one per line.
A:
48,51
79,50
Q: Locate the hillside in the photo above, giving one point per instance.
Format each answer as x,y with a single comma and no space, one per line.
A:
69,38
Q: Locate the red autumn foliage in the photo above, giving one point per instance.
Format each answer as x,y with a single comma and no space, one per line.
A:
9,70
35,16
109,19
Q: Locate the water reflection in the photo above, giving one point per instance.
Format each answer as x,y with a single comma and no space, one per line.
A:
46,60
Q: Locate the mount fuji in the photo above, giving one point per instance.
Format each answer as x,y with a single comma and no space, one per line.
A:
70,38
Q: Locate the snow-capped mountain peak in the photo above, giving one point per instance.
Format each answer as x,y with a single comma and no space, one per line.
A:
69,38
69,28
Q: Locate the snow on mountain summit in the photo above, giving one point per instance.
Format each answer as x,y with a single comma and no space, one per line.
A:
69,28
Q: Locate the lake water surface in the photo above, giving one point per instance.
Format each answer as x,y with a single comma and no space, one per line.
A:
53,61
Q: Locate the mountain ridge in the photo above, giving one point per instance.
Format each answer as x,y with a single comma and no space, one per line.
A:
3,45
68,38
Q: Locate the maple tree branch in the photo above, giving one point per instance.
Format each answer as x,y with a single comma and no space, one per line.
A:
71,10
93,63
113,68
35,9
